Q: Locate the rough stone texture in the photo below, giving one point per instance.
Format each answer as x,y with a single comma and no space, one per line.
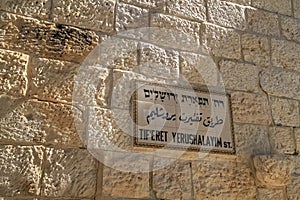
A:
282,140
280,82
125,175
222,180
20,170
250,108
226,14
131,17
175,32
13,66
69,173
198,69
153,4
39,8
194,10
269,194
256,49
279,6
273,170
158,62
239,76
91,14
241,2
290,28
285,112
52,79
263,22
251,140
166,186
37,122
285,54
294,187
297,138
221,42
45,39
296,8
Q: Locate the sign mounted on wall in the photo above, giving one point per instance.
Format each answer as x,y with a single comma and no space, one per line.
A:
173,117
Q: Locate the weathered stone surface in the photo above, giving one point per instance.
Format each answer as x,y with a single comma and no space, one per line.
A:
69,173
21,170
173,181
131,17
290,28
250,108
158,62
125,175
39,9
263,22
280,82
52,79
91,14
220,179
38,122
294,187
221,42
297,138
194,9
153,4
198,69
251,140
296,5
273,170
241,2
13,67
269,194
256,49
226,14
285,54
239,76
175,32
44,38
285,112
282,140
279,6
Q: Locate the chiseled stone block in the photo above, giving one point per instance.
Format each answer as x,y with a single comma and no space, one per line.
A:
44,38
279,6
285,112
290,28
38,8
69,173
282,140
91,14
21,170
270,194
13,71
221,42
250,108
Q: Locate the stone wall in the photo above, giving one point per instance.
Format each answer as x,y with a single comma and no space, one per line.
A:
254,44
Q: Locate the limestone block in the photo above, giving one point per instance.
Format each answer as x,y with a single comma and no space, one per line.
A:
285,112
194,10
175,32
21,170
221,42
282,140
221,179
226,14
263,22
285,54
13,67
39,9
273,170
281,82
279,6
91,14
69,173
293,188
37,122
297,137
290,28
239,76
256,49
131,17
173,181
44,38
153,4
198,69
270,194
250,108
296,8
251,140
125,175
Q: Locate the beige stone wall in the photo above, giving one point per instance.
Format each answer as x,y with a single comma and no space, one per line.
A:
254,44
